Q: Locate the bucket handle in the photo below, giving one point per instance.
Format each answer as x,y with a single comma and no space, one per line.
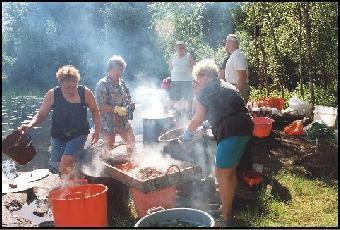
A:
176,166
154,209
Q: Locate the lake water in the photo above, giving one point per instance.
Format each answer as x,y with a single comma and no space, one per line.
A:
19,110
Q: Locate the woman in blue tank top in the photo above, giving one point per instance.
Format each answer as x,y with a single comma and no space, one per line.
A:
70,126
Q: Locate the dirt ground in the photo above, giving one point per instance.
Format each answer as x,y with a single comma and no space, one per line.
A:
274,152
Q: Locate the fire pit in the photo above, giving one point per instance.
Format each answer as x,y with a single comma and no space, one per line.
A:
148,179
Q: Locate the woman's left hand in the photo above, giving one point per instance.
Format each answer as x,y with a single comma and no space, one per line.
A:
95,138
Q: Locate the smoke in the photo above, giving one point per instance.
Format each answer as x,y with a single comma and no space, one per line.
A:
152,156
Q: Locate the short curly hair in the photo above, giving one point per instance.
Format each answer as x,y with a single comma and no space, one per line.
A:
68,72
207,66
116,60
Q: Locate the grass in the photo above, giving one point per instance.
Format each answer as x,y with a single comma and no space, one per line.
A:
312,203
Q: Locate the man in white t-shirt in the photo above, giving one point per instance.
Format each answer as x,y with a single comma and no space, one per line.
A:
236,70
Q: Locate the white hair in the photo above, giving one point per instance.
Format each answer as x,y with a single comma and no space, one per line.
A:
114,60
234,38
207,66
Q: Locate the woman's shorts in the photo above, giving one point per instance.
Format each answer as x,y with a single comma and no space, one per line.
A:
73,147
181,90
230,150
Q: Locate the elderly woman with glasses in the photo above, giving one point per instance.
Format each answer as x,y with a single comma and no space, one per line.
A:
222,105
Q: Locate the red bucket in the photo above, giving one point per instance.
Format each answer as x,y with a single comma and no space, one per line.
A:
262,126
79,206
165,198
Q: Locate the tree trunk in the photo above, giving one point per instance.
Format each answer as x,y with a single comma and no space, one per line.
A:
264,71
300,53
308,27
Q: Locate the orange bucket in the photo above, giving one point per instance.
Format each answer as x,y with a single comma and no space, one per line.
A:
165,198
79,206
262,126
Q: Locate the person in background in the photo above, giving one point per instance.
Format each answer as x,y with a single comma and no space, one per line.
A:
180,65
114,102
70,126
236,69
223,106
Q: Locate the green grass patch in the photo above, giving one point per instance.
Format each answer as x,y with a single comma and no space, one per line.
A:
312,203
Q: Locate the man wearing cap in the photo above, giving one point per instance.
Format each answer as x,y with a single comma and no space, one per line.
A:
236,69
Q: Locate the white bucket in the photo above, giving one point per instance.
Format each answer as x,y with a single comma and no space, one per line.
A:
326,114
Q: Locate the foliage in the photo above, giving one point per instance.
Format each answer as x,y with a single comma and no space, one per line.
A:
270,35
326,97
184,21
38,38
319,131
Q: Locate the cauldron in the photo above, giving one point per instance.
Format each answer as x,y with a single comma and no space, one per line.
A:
153,126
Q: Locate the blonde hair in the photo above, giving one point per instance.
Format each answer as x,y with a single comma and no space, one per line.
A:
67,72
114,60
207,66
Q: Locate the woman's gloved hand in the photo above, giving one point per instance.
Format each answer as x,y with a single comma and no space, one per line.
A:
206,124
187,135
122,111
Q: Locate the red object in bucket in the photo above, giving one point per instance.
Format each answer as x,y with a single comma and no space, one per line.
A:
79,206
165,198
262,126
272,102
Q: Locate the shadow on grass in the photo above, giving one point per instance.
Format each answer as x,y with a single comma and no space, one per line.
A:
250,210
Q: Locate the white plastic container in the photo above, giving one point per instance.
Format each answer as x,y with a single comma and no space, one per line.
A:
326,114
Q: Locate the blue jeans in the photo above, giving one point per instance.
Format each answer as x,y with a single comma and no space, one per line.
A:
73,147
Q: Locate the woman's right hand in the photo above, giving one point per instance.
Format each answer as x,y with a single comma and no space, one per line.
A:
24,128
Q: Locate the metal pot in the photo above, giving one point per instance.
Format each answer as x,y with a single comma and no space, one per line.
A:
172,217
154,126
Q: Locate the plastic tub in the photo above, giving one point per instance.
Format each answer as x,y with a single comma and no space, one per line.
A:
169,217
79,206
272,102
262,126
326,114
165,198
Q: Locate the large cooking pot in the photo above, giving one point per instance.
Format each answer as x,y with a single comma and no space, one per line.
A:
153,126
200,150
177,217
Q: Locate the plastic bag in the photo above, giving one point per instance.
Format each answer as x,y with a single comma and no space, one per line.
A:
301,106
295,128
